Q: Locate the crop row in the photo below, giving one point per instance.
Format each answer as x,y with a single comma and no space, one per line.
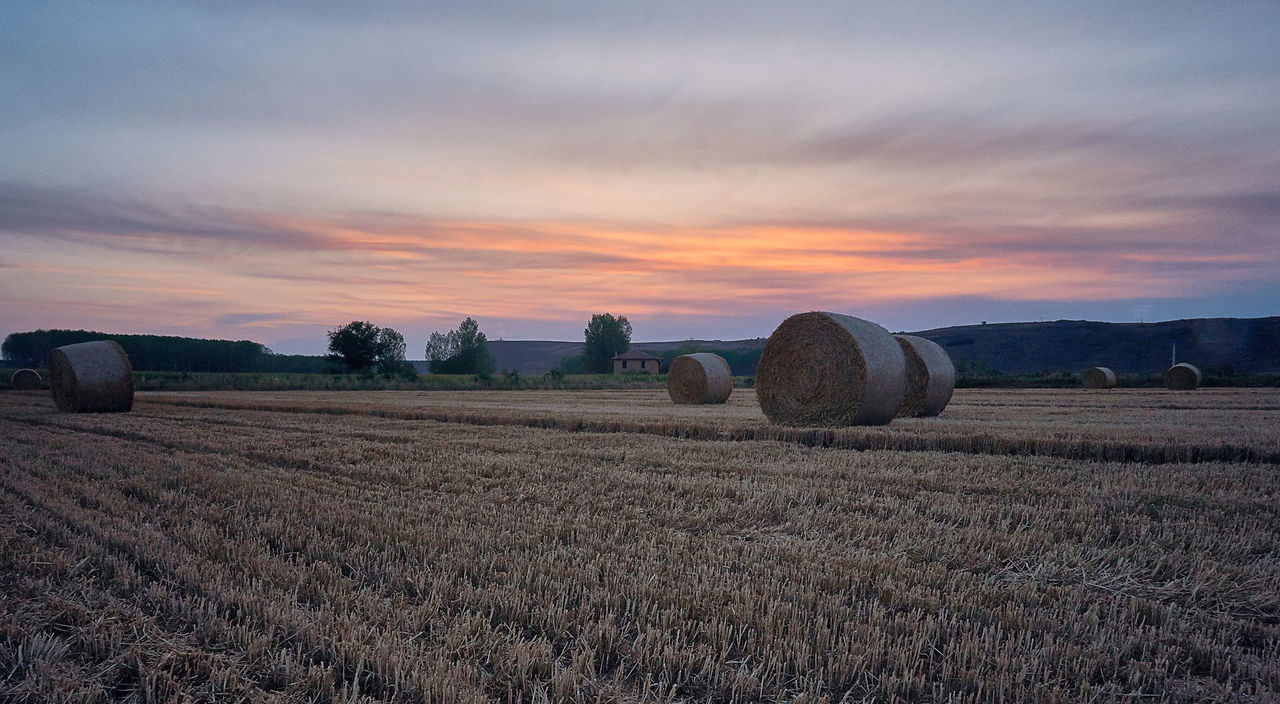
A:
1147,426
213,553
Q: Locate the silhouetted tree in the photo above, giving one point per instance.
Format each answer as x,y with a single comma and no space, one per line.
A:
461,351
606,336
360,345
391,351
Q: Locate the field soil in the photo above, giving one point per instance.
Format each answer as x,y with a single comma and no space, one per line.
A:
1028,545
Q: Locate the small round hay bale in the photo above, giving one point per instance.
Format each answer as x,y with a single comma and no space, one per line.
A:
25,380
91,377
931,377
830,369
1182,377
1098,378
701,377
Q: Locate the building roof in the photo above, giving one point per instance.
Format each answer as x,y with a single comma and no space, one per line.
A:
634,354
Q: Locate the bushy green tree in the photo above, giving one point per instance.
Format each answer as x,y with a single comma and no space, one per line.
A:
461,351
361,345
391,351
606,336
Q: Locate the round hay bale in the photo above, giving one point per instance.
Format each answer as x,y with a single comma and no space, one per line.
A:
931,377
701,377
91,377
830,369
1182,377
1098,378
25,380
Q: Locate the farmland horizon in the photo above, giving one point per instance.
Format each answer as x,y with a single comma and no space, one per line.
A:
317,347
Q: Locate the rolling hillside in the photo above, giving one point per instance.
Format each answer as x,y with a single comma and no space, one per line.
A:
1242,345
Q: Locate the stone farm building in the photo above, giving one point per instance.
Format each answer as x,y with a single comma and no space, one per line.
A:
635,361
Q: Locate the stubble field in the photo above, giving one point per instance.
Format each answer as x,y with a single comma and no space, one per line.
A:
1029,545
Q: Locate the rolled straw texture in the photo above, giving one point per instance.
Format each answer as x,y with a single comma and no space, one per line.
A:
25,380
702,377
931,377
91,377
831,370
1098,378
1182,377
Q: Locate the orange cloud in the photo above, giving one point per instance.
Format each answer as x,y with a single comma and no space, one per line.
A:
276,270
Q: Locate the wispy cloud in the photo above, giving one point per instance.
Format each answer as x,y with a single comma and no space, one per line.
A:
249,319
346,264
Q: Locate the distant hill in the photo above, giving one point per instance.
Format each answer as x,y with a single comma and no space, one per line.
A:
531,356
1241,345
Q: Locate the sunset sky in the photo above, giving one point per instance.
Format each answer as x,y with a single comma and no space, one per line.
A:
218,169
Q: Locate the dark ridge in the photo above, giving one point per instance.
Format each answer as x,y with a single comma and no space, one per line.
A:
1219,346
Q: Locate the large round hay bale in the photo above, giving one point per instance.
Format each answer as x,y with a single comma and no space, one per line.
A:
931,377
91,377
1098,378
701,377
1182,377
25,380
830,369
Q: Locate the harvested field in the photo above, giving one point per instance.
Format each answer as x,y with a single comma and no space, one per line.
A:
612,546
1126,424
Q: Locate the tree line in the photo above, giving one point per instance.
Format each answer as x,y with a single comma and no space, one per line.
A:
359,346
162,352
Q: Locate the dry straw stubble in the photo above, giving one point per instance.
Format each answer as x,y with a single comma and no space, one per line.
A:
701,377
829,369
695,571
1098,378
931,377
1182,377
25,380
91,377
